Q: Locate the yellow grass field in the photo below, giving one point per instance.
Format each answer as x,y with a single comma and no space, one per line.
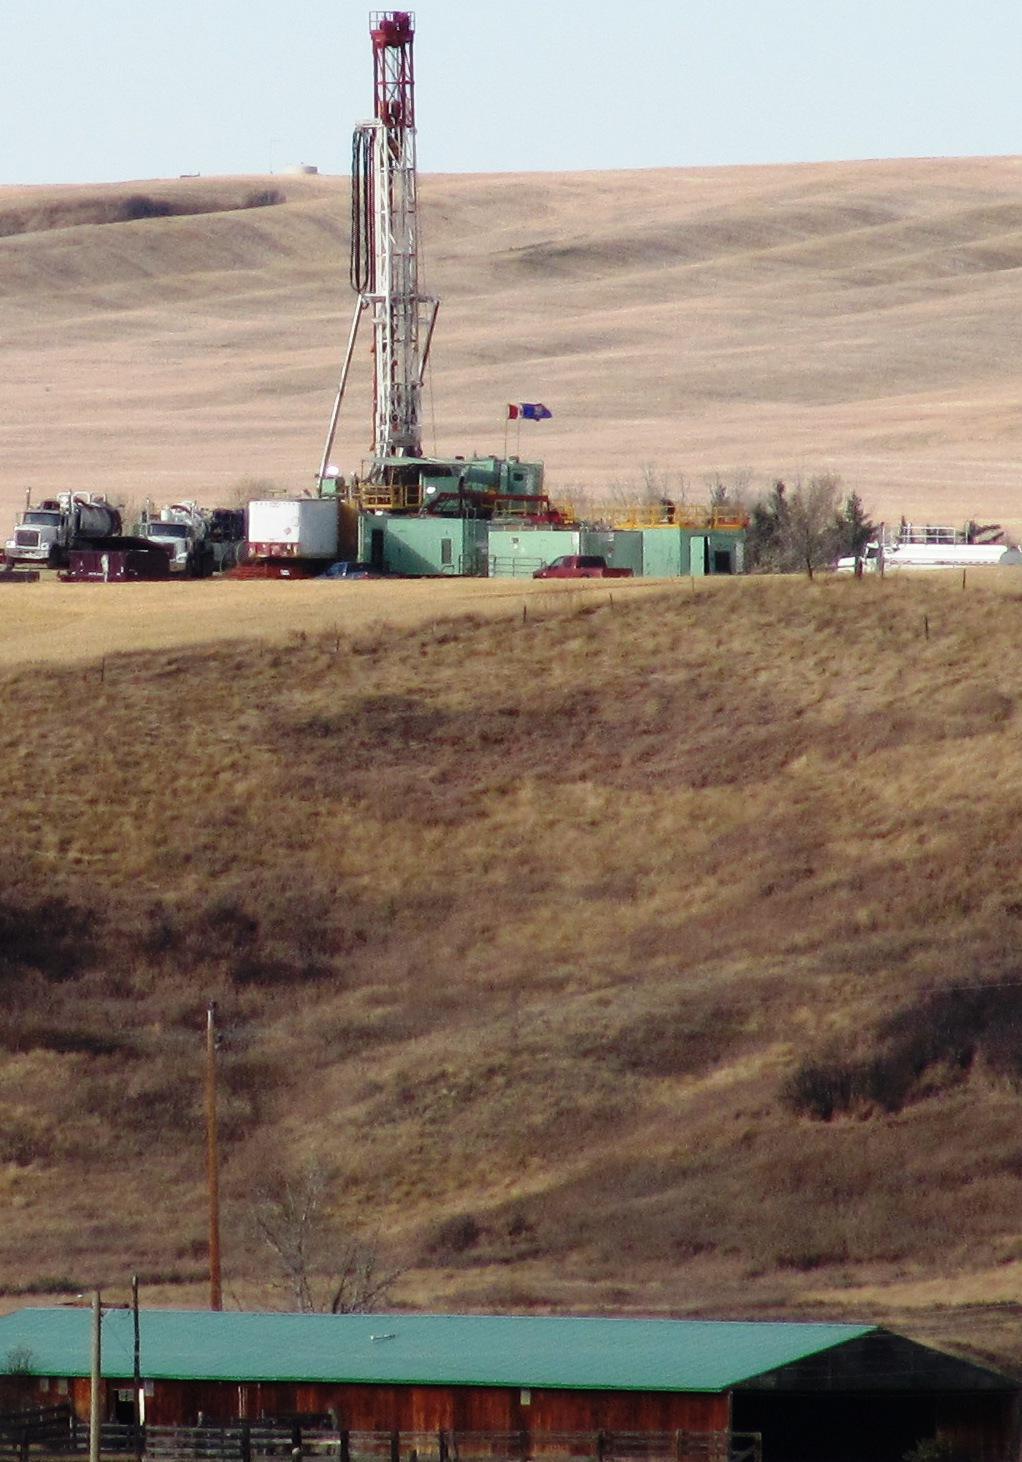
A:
858,318
55,623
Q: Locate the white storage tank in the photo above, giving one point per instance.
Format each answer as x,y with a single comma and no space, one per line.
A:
292,528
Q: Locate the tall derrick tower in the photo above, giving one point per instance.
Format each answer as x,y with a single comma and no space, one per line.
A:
385,258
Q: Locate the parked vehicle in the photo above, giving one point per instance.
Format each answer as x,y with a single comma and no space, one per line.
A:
581,566
346,569
198,541
889,557
45,534
290,538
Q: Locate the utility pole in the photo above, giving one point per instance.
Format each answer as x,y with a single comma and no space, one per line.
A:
216,1301
136,1372
95,1378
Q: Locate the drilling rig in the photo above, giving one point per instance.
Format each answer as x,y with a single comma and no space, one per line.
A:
385,268
385,265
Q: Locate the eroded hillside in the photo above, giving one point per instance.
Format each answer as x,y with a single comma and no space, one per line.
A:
656,952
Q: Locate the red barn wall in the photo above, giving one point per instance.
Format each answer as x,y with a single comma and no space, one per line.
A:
438,1408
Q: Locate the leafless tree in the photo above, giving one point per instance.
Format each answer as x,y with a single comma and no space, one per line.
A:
18,1373
321,1265
812,518
797,528
732,491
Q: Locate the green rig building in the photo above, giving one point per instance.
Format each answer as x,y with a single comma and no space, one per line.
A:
490,517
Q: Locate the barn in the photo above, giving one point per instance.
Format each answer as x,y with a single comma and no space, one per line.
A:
526,1385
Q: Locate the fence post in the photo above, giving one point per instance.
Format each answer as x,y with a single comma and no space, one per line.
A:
345,1446
442,1446
601,1445
245,1442
395,1447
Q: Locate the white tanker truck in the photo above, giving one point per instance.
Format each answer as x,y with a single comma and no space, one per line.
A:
198,541
46,533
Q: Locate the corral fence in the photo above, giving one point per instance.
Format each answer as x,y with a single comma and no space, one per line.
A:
56,1431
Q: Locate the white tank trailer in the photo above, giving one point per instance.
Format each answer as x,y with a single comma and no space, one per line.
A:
298,530
930,548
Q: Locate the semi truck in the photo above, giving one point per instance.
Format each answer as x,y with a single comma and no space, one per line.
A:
198,541
45,534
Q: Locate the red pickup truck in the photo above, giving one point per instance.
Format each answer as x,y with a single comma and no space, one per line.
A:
581,566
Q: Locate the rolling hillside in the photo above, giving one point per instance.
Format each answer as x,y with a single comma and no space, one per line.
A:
857,318
655,951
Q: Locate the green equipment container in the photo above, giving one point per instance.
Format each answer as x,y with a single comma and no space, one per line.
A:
423,546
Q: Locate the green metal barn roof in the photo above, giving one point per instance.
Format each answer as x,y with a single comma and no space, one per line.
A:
540,1351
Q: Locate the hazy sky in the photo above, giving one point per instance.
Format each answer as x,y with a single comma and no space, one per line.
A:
109,89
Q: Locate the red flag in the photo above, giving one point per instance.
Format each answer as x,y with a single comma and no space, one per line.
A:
513,412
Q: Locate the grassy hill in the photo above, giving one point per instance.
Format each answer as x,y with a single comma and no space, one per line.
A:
656,951
164,339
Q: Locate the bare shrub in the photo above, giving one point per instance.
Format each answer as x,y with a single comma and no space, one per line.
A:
320,1264
263,198
50,935
141,205
454,1237
17,1378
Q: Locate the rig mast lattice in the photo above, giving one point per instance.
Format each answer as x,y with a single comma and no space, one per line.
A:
385,254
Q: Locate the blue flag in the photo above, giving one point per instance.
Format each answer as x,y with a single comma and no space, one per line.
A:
529,411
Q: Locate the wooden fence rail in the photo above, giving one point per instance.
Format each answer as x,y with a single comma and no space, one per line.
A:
56,1432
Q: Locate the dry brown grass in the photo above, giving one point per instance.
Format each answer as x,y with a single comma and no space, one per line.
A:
526,925
853,317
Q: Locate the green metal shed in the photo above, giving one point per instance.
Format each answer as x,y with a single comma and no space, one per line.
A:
423,545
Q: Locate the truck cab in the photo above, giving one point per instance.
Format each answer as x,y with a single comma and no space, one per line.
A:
176,539
39,535
581,566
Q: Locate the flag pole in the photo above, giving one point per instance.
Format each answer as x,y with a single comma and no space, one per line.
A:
507,418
